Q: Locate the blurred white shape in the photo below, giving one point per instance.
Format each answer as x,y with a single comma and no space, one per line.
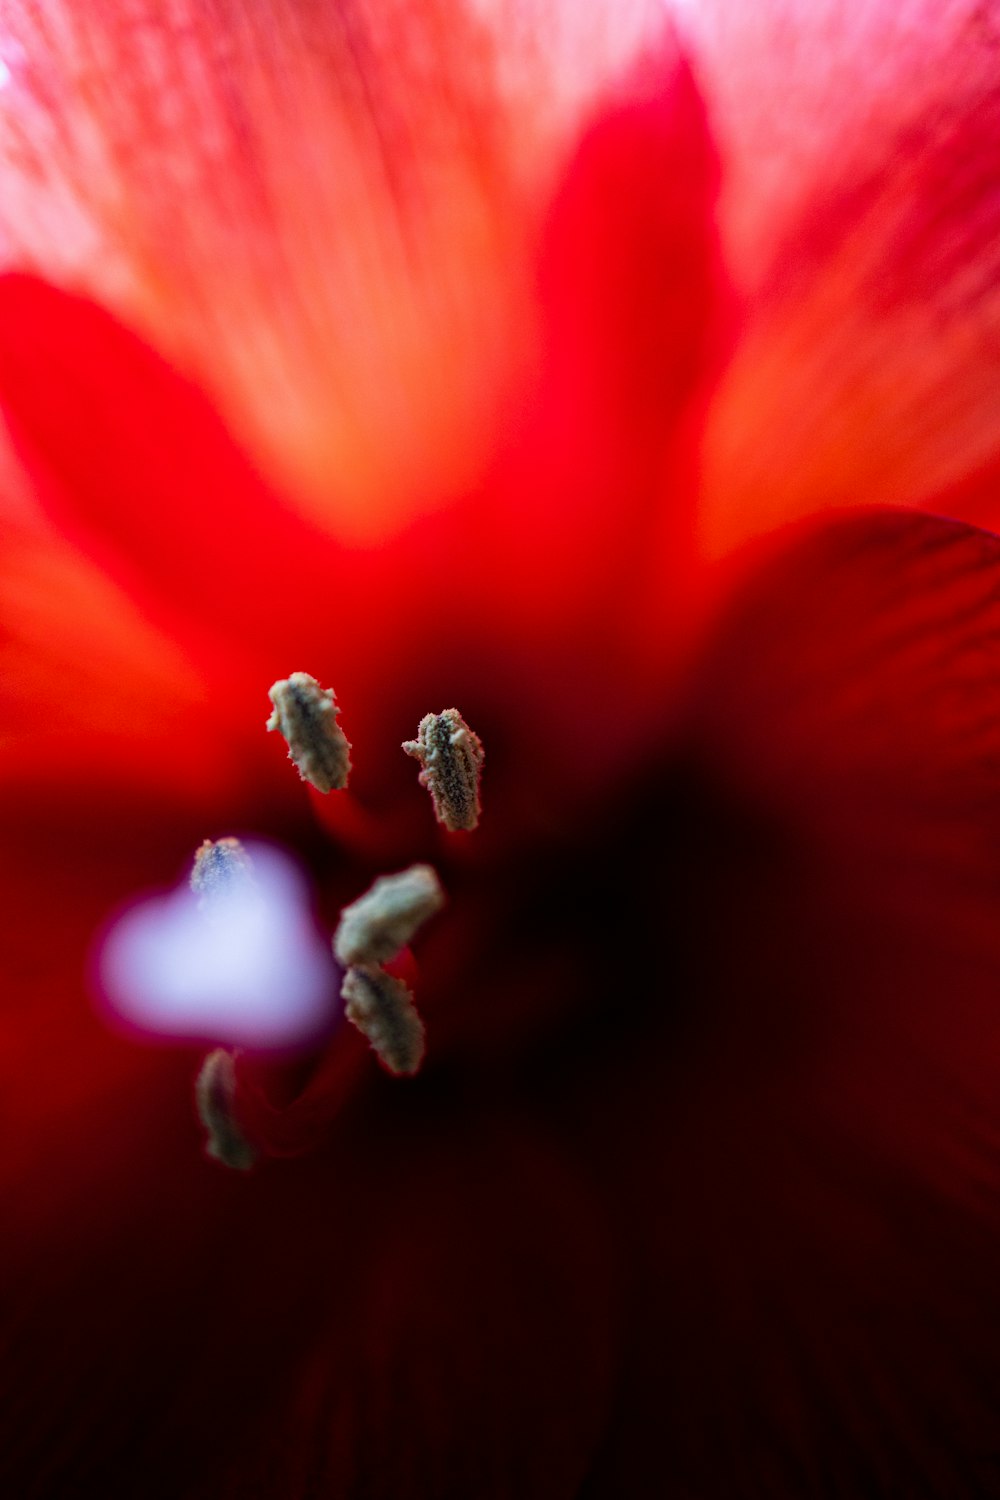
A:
249,970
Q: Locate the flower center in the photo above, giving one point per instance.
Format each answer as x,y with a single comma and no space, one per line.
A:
229,916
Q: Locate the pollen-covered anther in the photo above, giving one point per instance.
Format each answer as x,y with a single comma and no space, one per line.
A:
382,921
451,755
221,866
306,715
214,1092
381,1007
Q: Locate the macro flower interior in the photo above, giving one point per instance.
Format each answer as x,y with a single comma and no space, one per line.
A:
560,1059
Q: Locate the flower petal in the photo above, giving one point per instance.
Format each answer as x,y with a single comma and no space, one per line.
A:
135,466
862,655
309,207
796,92
138,469
801,1126
466,1348
633,301
862,222
87,682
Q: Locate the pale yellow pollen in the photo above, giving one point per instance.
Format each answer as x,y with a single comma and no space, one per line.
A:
381,1007
214,1092
306,715
378,924
451,756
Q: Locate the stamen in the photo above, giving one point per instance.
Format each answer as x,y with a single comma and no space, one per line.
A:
220,867
382,921
306,715
214,1091
451,756
381,1007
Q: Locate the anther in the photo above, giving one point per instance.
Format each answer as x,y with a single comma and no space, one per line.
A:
220,867
306,715
452,757
214,1091
381,1007
382,921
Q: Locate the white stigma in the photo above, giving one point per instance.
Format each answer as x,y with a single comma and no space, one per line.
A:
235,960
221,867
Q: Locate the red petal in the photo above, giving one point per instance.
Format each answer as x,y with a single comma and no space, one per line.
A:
863,225
321,210
470,1298
137,467
862,658
596,510
802,1122
551,577
561,586
90,688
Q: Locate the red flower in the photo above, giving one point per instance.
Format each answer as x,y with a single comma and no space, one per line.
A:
696,1191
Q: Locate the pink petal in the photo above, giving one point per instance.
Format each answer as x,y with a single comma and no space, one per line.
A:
861,213
311,207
